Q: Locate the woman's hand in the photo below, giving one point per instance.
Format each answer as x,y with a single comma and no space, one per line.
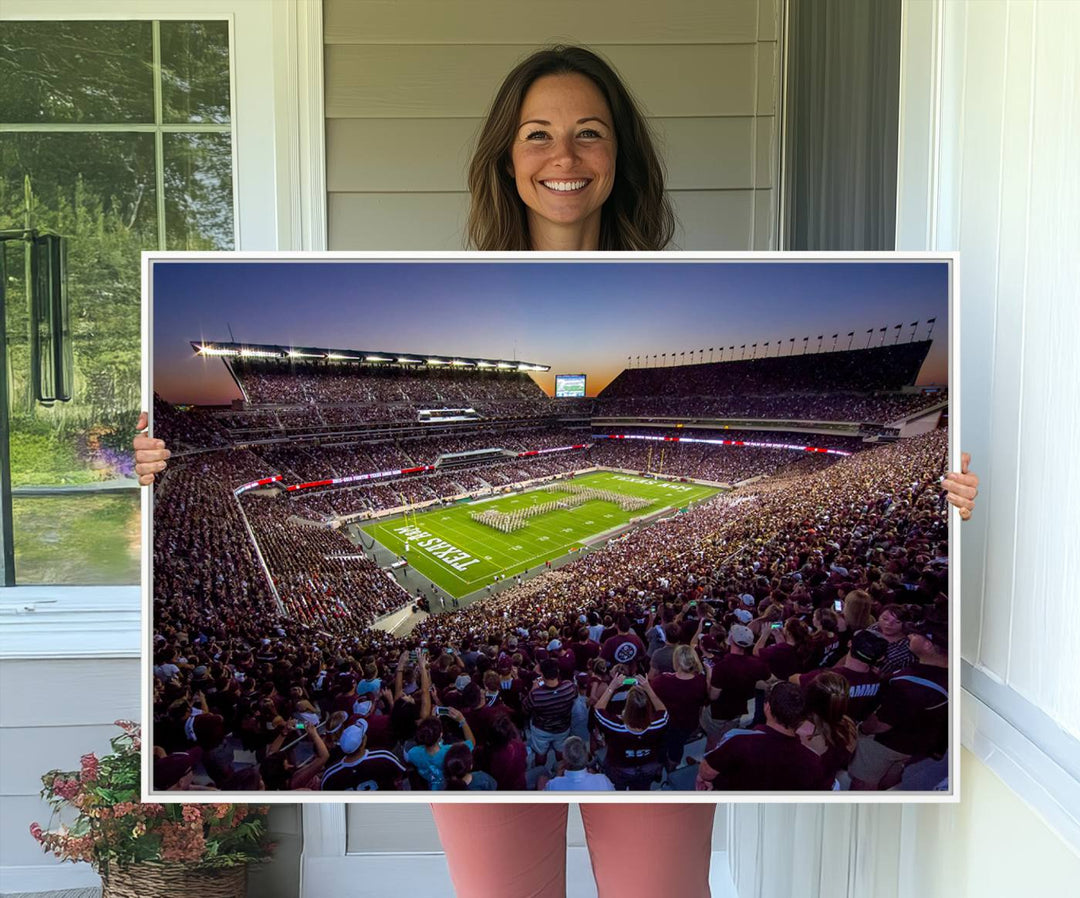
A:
961,489
150,454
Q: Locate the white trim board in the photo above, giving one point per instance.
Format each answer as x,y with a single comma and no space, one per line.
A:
39,622
1047,786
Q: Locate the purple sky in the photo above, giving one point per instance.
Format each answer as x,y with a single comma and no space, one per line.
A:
575,316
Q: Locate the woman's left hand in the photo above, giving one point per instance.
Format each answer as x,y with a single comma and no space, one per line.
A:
150,454
961,489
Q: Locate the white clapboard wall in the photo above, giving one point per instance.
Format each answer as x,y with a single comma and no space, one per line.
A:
407,83
54,710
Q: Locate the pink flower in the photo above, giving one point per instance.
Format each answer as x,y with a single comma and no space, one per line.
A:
181,842
89,767
36,832
66,788
192,813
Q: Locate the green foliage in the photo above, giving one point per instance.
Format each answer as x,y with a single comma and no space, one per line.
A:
113,828
99,190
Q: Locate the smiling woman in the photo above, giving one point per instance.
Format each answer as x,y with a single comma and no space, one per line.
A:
565,161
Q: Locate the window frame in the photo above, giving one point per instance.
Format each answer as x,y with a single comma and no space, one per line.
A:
276,94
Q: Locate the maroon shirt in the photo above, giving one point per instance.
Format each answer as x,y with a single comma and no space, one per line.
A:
375,771
863,689
379,732
511,693
764,759
584,652
782,659
480,720
549,706
625,748
507,766
916,704
683,699
566,659
620,649
735,676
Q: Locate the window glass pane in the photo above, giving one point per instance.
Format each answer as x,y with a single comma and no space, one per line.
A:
98,191
75,504
198,192
77,540
76,72
195,71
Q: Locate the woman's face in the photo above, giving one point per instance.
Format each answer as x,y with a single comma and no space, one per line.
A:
890,625
563,156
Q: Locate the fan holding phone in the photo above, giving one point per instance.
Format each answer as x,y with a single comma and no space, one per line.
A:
634,739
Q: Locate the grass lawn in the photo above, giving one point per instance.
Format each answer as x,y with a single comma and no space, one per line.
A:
77,540
462,556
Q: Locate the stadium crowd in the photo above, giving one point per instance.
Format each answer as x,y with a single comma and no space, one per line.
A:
880,369
789,635
850,407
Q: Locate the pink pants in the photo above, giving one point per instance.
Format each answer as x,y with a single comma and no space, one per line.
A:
519,850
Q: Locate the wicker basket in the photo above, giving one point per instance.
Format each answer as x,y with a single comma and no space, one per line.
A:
174,881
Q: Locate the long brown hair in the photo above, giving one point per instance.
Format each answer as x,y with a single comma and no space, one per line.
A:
826,707
637,214
636,713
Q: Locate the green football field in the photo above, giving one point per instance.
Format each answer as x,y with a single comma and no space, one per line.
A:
461,555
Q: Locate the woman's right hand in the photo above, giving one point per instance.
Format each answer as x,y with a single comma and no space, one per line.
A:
150,454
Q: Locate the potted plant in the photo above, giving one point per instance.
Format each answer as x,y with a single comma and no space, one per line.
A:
160,850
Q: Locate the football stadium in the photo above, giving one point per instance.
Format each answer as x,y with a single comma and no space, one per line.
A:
377,570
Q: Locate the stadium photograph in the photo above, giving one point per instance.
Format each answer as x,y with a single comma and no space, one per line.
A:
452,524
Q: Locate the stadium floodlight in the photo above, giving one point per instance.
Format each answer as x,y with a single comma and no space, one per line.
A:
436,361
377,358
460,363
343,358
259,353
214,350
297,354
402,360
482,364
506,365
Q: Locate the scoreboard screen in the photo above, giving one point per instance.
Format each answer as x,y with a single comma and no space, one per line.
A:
569,386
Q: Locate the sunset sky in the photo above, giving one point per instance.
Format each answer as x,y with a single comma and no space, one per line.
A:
576,316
